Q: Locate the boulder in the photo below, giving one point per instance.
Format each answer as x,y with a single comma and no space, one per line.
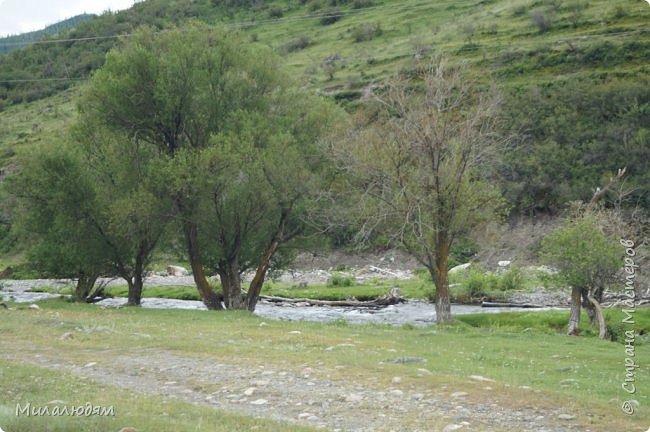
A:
177,271
459,268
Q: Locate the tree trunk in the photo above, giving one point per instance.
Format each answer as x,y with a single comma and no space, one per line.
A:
574,315
588,307
136,282
210,299
597,294
599,315
256,284
441,279
231,283
84,287
135,291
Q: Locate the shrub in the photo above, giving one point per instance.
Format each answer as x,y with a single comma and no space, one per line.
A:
340,280
519,10
541,20
275,12
331,17
511,280
297,44
619,12
366,32
478,282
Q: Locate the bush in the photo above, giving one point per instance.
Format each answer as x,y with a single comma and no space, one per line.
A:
366,32
478,282
619,12
519,10
276,12
340,280
511,280
541,20
297,44
331,17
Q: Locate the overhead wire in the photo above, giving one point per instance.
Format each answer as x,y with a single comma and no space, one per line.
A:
353,12
242,24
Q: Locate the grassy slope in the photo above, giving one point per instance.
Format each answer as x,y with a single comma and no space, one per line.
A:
581,374
504,43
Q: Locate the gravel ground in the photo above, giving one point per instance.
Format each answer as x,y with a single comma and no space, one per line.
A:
310,396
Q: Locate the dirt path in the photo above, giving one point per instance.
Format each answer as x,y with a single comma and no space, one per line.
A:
307,396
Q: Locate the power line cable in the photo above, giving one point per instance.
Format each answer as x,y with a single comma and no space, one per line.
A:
242,24
456,47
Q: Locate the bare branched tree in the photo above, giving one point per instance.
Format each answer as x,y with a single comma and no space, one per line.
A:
418,158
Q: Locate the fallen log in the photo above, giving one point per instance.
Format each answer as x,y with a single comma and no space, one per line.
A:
510,305
392,297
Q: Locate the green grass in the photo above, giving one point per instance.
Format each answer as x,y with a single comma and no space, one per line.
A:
582,374
556,322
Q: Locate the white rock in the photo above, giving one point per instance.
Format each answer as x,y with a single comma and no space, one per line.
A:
396,380
260,383
177,271
91,364
480,378
249,391
353,397
263,324
504,263
452,427
34,306
458,395
459,268
304,415
259,402
397,392
566,417
295,332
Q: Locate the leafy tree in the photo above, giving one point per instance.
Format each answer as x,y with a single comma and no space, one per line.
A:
419,165
133,210
588,261
56,208
92,209
234,142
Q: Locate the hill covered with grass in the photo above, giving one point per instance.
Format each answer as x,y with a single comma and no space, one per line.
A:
574,74
13,42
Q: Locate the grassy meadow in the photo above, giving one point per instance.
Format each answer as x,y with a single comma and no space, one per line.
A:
530,361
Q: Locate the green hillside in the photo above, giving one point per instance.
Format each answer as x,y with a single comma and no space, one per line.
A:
574,74
10,43
338,45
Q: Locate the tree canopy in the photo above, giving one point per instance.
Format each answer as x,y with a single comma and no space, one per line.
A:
236,146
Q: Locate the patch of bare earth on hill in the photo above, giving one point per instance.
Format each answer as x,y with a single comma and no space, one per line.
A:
319,396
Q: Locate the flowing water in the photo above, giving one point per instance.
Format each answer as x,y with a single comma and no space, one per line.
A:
419,313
